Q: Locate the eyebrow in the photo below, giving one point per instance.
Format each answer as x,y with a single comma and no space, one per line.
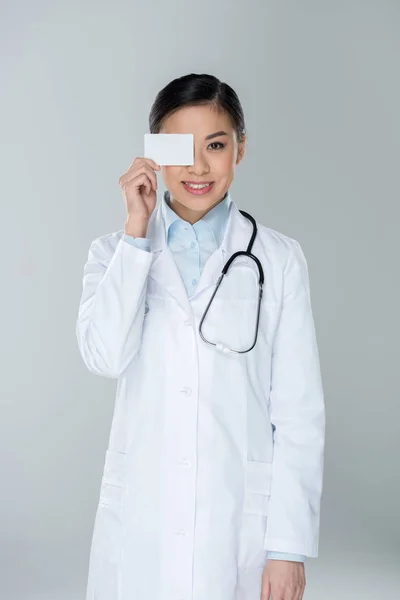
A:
216,134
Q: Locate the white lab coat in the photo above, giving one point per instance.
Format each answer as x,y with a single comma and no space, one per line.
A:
213,458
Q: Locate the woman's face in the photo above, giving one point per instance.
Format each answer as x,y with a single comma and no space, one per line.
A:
215,159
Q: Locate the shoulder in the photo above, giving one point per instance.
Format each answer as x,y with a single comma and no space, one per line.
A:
279,246
286,258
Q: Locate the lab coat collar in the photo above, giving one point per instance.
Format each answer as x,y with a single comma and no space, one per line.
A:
237,231
164,270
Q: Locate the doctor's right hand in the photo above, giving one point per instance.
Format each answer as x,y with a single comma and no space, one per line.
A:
139,189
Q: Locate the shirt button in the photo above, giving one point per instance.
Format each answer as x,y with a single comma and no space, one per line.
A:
194,281
187,391
188,323
193,244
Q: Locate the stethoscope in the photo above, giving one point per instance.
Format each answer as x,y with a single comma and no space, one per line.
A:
218,345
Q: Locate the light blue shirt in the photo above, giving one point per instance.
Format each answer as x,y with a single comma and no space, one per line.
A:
191,246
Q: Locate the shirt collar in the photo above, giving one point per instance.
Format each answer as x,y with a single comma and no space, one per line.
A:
216,218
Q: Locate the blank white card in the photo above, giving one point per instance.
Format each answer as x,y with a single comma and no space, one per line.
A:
169,148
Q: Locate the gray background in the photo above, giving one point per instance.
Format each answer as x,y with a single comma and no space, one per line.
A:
319,83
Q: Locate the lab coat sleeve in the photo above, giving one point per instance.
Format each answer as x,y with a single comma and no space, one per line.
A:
111,310
297,414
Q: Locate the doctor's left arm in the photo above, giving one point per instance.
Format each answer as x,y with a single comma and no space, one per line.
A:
111,310
297,412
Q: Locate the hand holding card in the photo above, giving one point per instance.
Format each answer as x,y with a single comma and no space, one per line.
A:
139,189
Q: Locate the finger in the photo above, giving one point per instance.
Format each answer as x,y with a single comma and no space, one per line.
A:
132,174
278,595
147,187
142,180
266,591
290,594
148,161
144,168
300,594
153,164
151,176
300,588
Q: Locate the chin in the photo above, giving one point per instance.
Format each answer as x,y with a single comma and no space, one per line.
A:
198,202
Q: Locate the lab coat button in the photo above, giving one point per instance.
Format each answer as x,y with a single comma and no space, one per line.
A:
187,391
185,463
181,532
188,323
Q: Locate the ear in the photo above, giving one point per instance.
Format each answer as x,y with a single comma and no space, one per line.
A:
241,150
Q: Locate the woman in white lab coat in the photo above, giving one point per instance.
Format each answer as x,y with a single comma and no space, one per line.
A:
213,473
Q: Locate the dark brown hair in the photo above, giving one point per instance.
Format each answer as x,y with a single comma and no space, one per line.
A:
192,90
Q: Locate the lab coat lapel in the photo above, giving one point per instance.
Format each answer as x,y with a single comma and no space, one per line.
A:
163,269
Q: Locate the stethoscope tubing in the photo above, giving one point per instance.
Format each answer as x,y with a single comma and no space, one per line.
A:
225,269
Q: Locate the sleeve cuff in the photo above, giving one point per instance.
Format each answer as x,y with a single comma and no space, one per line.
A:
286,556
141,243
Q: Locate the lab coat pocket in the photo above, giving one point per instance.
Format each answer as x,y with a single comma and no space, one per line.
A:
258,487
113,481
108,530
252,554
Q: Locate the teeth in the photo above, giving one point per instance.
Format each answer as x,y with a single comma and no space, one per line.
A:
197,187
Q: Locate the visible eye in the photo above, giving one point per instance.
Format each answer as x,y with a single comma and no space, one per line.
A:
220,144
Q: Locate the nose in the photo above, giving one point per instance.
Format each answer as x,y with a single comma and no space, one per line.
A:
200,164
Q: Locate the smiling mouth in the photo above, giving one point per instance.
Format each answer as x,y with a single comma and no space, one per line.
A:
197,189
197,186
